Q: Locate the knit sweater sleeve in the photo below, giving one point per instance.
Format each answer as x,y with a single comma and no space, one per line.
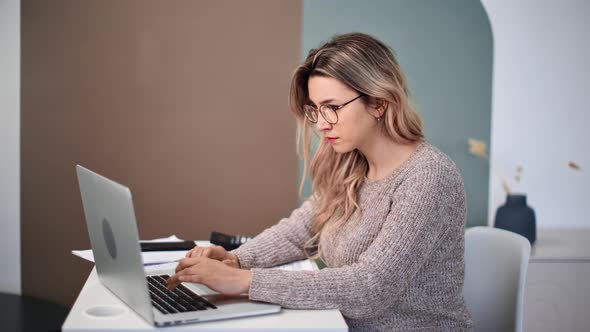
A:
281,243
418,218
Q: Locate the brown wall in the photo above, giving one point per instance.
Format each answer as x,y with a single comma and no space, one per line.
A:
183,101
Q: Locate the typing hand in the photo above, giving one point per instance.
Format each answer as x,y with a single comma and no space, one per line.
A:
216,253
213,274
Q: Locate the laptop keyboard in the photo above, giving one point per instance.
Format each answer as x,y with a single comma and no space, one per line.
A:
181,299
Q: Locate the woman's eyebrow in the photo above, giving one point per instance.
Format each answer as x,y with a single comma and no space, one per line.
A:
329,100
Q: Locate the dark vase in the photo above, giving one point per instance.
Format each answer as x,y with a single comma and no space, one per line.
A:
517,217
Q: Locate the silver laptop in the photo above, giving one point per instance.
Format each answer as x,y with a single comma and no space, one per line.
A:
112,228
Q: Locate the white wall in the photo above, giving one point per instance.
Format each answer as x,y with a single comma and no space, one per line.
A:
540,108
10,280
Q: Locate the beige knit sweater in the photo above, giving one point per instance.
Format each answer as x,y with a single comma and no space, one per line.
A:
396,265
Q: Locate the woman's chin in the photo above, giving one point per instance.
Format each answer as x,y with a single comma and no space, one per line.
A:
340,149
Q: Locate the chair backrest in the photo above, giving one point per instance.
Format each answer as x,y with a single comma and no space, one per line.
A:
496,262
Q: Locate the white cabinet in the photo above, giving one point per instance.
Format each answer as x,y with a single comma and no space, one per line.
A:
557,292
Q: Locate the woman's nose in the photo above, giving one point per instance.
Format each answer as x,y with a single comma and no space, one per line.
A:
322,124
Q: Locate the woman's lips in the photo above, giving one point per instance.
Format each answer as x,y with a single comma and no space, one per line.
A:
331,139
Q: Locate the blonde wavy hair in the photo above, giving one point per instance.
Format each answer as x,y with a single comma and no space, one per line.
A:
368,66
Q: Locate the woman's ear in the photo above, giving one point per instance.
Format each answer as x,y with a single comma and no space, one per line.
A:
379,106
383,105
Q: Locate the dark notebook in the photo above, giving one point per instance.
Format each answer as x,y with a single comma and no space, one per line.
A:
167,246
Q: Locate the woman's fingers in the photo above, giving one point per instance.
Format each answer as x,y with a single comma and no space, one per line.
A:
213,274
186,267
216,252
213,252
195,252
231,263
172,282
190,252
187,262
186,275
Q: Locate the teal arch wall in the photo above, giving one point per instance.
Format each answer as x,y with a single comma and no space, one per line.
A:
446,51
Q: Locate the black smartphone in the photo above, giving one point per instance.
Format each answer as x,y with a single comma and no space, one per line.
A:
167,246
228,242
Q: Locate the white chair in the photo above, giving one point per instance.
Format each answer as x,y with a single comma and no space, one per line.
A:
496,262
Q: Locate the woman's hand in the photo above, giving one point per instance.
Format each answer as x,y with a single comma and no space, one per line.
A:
212,273
217,253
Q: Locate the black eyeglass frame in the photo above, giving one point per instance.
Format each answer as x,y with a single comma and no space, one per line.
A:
333,108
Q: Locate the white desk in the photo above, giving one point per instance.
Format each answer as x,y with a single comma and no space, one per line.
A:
95,294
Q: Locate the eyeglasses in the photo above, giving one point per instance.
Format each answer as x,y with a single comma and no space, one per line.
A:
328,112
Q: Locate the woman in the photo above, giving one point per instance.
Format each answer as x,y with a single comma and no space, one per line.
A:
387,215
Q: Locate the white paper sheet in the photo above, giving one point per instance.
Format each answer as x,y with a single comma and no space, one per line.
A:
149,257
304,265
166,260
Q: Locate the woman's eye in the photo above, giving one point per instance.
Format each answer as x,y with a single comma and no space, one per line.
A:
333,107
